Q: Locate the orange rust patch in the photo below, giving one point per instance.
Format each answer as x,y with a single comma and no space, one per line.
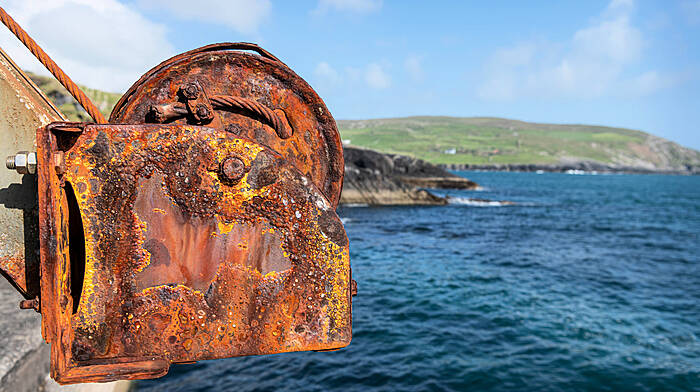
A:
181,265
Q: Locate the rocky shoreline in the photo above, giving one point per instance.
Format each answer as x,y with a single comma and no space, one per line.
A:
583,166
374,178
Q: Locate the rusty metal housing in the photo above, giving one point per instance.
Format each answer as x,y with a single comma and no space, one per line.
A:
199,223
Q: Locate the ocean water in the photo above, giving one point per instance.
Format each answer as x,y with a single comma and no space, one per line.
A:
589,282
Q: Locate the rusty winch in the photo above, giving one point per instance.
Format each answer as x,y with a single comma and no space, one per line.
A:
199,223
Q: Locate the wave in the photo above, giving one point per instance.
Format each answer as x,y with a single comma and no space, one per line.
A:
355,205
345,221
466,201
581,172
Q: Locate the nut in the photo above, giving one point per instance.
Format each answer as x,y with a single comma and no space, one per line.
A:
23,162
31,163
190,91
203,112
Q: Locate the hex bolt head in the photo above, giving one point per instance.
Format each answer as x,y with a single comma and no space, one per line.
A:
23,162
232,169
203,112
190,91
31,163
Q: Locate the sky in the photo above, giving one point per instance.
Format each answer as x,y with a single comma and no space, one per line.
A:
622,63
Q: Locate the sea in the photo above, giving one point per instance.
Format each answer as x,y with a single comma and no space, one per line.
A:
585,283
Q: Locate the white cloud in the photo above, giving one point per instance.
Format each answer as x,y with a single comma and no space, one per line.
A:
596,61
244,16
612,39
326,76
414,67
372,75
355,6
99,43
649,82
376,77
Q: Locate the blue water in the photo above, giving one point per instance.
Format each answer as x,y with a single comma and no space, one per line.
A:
589,283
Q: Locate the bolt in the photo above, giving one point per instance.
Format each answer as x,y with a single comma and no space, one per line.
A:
190,91
23,162
203,112
30,304
233,128
59,162
232,169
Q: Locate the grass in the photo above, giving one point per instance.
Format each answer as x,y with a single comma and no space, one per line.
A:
67,104
495,140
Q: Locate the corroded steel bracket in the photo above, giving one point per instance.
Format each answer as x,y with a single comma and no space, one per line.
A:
154,251
23,108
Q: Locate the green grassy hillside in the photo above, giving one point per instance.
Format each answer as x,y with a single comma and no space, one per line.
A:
67,104
501,141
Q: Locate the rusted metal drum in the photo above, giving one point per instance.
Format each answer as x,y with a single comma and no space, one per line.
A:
252,95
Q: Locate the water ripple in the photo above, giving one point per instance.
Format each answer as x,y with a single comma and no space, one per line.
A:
587,283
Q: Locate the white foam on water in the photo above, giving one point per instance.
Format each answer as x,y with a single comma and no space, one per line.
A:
355,205
465,201
576,172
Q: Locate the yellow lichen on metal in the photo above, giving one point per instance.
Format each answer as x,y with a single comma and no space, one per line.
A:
186,262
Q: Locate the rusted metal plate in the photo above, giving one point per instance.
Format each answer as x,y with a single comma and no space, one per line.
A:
256,96
178,243
23,109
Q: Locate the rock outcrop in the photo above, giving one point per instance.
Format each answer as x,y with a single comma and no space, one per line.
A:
440,182
386,179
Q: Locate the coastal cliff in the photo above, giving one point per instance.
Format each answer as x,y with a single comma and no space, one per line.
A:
481,143
375,178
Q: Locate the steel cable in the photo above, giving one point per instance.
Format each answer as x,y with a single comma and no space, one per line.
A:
55,70
267,114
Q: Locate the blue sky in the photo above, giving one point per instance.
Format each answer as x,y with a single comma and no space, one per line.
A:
627,63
